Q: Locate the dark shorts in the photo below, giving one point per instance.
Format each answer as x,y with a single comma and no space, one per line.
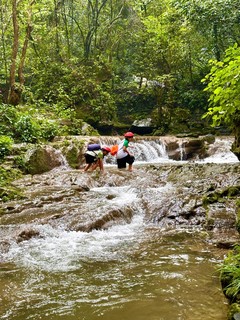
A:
89,159
122,163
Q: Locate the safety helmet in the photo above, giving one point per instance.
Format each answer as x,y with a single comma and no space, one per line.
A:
106,149
128,135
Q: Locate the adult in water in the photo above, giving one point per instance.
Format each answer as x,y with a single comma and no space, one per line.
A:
94,159
123,155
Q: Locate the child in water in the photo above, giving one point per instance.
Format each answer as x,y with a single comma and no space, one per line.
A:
123,155
94,159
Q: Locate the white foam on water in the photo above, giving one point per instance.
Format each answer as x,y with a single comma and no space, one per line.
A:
221,152
154,151
120,195
221,158
60,250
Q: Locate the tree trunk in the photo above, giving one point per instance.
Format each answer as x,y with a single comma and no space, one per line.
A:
15,89
13,94
3,92
25,45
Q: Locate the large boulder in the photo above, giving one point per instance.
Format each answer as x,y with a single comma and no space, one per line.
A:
42,159
143,126
188,148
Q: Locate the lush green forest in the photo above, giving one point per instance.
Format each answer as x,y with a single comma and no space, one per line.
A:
108,63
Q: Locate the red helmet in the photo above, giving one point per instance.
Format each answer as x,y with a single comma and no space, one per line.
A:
106,149
128,135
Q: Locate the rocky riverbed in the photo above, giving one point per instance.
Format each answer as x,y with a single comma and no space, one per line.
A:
189,195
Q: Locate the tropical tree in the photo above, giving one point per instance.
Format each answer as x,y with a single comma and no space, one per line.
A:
20,31
217,21
223,85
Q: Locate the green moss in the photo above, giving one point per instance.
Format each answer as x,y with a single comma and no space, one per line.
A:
220,196
7,191
7,175
234,311
72,150
38,161
72,156
10,193
209,223
233,191
238,215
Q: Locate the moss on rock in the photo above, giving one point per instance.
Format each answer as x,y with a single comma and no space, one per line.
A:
42,159
8,191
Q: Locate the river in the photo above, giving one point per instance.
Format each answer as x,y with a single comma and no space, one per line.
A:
98,253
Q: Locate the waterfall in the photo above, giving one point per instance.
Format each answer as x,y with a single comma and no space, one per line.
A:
166,149
169,149
220,152
147,151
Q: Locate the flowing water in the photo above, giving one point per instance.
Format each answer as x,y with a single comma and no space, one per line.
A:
125,271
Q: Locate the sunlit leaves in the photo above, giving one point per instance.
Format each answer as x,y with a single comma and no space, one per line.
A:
223,85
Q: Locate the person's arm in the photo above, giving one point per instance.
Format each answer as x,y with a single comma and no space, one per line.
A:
125,147
100,163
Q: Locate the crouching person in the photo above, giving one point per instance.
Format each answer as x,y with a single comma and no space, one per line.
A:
94,159
123,155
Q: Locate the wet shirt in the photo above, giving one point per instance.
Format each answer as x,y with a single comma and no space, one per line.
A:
97,154
121,153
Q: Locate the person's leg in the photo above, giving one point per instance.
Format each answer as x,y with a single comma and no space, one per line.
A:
121,163
89,161
95,165
130,160
130,167
87,167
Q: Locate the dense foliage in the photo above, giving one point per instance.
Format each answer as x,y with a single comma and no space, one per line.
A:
230,274
109,61
224,88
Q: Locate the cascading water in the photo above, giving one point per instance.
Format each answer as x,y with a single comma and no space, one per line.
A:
154,150
86,246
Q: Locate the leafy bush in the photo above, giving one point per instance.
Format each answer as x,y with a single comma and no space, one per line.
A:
48,130
27,130
5,146
8,116
230,274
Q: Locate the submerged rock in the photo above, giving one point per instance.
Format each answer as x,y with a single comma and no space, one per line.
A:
27,234
167,195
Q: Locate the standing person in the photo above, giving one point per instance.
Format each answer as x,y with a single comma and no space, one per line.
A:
123,155
94,158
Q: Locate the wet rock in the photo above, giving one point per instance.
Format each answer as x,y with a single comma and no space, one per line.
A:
143,126
4,246
188,148
112,217
169,195
174,151
42,159
26,235
194,149
236,316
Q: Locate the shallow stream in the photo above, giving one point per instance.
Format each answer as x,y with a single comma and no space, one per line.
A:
127,272
131,269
